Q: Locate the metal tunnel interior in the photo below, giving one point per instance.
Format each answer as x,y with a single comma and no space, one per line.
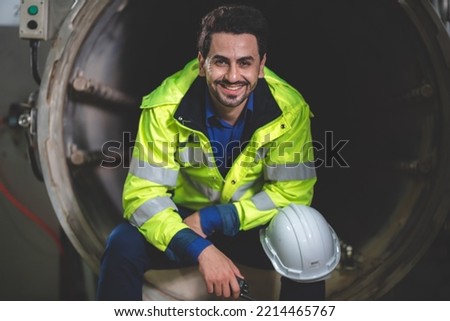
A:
375,73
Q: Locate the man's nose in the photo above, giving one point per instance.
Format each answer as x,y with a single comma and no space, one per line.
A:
232,73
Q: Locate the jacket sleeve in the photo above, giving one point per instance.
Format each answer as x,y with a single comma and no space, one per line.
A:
152,175
289,174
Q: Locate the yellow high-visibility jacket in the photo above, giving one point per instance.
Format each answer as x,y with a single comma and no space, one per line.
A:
173,162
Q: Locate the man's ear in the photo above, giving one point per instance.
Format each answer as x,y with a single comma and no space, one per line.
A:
201,65
261,66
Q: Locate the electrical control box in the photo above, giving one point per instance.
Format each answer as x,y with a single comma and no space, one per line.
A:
34,19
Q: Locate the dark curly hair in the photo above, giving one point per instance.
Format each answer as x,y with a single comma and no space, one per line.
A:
234,19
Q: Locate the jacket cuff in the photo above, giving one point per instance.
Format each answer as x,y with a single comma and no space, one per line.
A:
186,246
223,218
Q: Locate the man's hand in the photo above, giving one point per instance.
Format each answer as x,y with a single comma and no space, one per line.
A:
193,221
219,273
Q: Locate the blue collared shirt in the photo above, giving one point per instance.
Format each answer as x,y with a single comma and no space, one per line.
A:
224,137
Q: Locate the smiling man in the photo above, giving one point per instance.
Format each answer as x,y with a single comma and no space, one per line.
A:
222,146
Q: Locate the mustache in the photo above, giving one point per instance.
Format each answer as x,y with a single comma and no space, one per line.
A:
228,83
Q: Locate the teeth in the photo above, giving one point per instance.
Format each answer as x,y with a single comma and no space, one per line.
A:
233,87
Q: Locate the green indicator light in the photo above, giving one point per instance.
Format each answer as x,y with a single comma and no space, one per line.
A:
33,10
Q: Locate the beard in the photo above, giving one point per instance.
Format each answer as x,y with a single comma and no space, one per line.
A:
231,100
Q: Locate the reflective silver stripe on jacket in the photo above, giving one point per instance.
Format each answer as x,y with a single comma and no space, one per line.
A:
212,194
244,188
195,156
289,172
150,208
157,174
263,202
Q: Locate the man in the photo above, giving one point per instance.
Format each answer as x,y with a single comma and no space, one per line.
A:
222,145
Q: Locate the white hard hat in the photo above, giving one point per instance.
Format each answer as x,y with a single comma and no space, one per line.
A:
301,244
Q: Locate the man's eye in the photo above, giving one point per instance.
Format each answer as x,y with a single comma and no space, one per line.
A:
245,63
221,62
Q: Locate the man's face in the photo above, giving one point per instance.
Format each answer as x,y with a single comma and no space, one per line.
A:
232,68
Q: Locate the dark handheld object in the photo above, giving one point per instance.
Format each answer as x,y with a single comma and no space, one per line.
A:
244,289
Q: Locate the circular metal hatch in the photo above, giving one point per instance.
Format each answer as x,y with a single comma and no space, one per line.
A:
375,73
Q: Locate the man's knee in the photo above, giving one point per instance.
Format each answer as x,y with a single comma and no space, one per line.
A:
125,240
